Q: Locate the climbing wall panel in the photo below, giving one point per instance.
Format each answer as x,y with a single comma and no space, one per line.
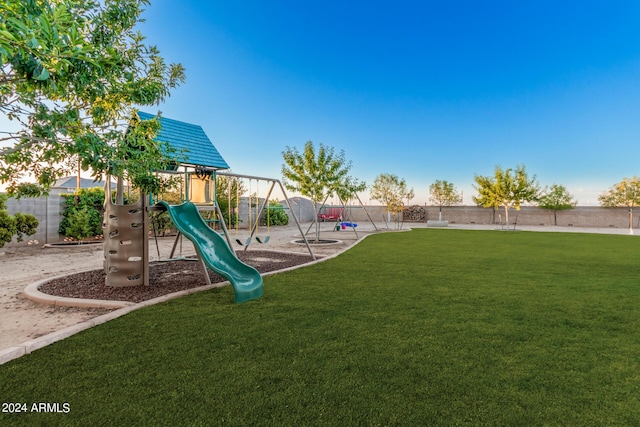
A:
125,244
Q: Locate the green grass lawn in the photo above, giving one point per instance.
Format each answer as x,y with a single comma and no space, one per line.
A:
429,327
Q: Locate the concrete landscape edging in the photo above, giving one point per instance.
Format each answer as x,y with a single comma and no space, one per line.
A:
122,307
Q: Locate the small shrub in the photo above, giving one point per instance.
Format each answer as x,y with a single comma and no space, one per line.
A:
232,220
80,224
16,225
7,227
160,221
92,201
26,224
276,215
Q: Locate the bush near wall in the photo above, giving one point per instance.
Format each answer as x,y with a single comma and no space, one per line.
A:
160,221
83,214
275,215
17,225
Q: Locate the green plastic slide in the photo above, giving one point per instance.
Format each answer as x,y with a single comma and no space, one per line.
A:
215,252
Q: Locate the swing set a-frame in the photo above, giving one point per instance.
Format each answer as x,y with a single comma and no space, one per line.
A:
262,205
342,215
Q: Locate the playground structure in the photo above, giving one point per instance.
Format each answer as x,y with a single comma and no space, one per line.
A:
214,253
340,215
262,206
126,226
126,246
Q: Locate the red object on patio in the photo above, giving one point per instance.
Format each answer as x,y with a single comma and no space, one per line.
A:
330,214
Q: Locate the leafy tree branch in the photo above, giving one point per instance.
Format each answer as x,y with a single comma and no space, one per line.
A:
72,73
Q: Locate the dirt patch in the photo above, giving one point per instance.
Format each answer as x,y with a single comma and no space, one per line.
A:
164,278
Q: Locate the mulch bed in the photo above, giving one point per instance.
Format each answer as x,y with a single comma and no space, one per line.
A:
164,278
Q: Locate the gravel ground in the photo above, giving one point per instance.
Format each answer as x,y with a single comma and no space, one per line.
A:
164,278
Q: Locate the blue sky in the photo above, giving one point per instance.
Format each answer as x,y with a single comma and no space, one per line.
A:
425,90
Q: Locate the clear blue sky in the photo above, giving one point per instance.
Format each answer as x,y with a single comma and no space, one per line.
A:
425,90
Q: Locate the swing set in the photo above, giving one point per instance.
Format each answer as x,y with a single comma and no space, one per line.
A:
253,201
340,215
200,188
257,208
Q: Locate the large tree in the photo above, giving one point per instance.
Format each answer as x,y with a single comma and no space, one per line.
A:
508,188
626,193
444,193
557,198
316,174
71,73
391,191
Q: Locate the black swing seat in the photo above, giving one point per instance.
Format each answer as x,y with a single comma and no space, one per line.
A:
266,239
246,243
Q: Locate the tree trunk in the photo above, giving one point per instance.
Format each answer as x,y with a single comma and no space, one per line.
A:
506,215
119,191
316,209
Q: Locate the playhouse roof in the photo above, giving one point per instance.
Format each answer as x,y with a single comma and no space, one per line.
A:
198,148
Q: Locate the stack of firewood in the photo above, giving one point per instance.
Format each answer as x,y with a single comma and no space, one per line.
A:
414,213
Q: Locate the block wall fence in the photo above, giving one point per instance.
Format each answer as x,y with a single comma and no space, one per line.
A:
48,210
581,216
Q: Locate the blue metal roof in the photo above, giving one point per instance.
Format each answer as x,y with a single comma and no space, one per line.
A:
198,148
